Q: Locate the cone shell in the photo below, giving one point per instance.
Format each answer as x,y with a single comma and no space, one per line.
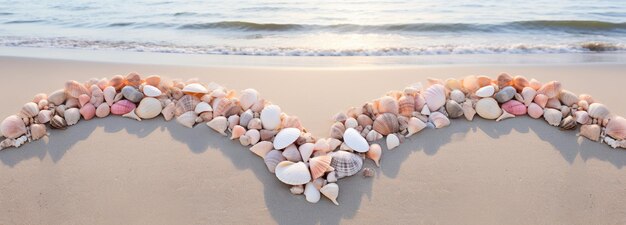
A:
122,107
488,108
88,111
103,110
439,119
435,97
272,159
551,89
591,131
598,111
292,173
386,123
374,153
132,115
616,128
331,191
219,124
270,117
320,165
552,116
346,163
286,137
514,107
37,131
392,141
72,116
75,89
13,127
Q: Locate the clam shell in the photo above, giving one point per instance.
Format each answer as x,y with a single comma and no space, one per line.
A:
457,96
488,108
185,104
148,108
470,84
30,110
151,91
486,91
292,173
248,98
355,141
373,136
331,191
616,128
88,111
75,89
551,89
286,137
387,104
506,94
598,111
195,88
591,131
582,117
270,117
415,125
103,110
262,148
435,96
37,131
255,123
122,107
392,141
454,109
553,103
153,80
311,193
468,110
528,94
237,132
272,158
364,120
44,116
320,165
346,163
386,123
439,119
109,95
568,98
57,122
72,116
291,153
132,94
503,80
375,153
535,111
219,124
245,118
552,116
58,97
514,107
12,127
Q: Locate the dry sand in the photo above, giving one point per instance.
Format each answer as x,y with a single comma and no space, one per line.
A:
119,171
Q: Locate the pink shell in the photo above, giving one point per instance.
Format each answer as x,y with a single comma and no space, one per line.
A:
514,107
616,128
541,100
88,111
535,111
122,107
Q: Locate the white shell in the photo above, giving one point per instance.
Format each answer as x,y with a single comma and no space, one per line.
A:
435,96
219,124
254,136
248,98
488,108
331,191
187,119
286,137
306,150
486,91
270,117
203,107
355,141
415,125
72,116
148,108
195,88
311,193
151,91
598,111
292,173
392,141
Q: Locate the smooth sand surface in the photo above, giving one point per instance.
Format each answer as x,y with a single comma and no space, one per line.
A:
120,171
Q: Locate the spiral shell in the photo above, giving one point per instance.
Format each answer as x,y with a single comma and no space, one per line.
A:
386,123
346,163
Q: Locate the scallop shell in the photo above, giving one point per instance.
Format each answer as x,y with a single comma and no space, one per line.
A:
457,96
507,93
151,91
541,100
551,89
598,111
331,191
248,98
148,108
311,193
616,128
355,141
272,159
503,80
591,131
12,127
528,94
488,108
439,119
486,91
392,141
552,116
375,153
387,104
520,82
386,123
122,107
514,107
88,111
286,137
58,122
168,111
37,131
270,117
185,104
415,125
407,105
468,110
195,88
454,109
72,116
420,102
132,94
568,98
346,163
29,110
44,116
103,110
219,124
292,173
75,89
435,97
320,165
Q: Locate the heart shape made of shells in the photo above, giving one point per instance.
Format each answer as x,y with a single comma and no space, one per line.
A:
310,165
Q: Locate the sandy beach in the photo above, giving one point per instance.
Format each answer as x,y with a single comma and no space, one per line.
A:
119,171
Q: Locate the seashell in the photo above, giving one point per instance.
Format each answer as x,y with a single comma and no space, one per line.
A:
387,104
97,96
248,98
584,105
262,148
616,128
132,79
454,109
483,80
520,82
311,193
340,117
392,141
507,93
457,96
346,163
29,110
43,104
363,120
72,116
535,111
386,123
452,84
195,88
468,110
355,141
373,136
122,107
132,94
219,124
132,115
552,116
293,173
37,131
306,150
297,189
148,108
334,143
88,111
337,130
514,107
272,159
203,107
407,105
103,110
57,122
587,98
176,93
591,131
291,153
551,89
322,146
488,108
187,119
439,120
151,91
292,121
74,89
255,123
553,103
375,153
109,95
13,127
245,118
368,172
117,82
431,81
60,110
58,97
435,97
232,121
185,104
83,99
254,135
43,116
168,111
528,94
505,115
226,107
503,80
415,125
420,102
486,91
39,97
598,111
568,123
153,80
568,98
541,100
286,137
534,84
320,165
582,117
270,117
470,84
237,132
71,103
331,191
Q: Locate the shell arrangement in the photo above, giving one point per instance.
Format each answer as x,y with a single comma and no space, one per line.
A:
310,165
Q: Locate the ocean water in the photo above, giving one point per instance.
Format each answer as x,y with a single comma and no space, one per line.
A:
318,28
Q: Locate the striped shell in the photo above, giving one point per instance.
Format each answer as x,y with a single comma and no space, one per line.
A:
435,96
598,111
272,159
386,123
122,107
285,137
514,107
616,128
320,165
407,105
185,104
346,163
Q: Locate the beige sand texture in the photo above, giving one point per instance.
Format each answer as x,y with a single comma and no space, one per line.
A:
119,171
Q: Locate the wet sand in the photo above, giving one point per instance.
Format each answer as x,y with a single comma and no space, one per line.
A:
120,171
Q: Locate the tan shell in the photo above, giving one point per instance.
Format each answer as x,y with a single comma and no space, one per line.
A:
12,127
37,131
535,84
103,110
488,108
616,128
568,123
319,165
386,123
552,116
58,97
591,131
148,108
153,80
219,124
551,89
75,89
520,82
226,107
